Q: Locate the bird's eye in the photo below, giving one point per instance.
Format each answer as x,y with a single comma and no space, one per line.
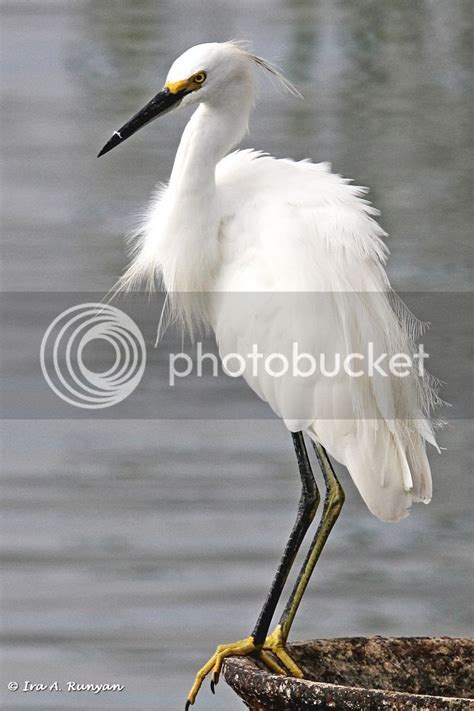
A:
199,77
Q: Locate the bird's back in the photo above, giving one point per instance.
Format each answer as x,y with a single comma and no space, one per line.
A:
293,216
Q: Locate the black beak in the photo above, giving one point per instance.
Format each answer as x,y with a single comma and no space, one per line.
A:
164,101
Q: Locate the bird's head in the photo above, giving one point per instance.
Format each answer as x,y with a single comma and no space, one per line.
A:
205,73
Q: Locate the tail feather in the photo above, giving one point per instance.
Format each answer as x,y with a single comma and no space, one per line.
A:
390,469
418,462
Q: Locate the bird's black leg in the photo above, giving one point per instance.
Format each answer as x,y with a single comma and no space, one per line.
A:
307,507
308,504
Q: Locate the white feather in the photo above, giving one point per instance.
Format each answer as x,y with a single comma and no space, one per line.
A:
269,251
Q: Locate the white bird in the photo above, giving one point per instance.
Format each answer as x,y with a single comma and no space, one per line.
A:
274,252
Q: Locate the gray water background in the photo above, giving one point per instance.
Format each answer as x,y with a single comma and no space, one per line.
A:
132,548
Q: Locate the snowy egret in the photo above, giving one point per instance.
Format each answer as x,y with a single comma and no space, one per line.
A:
245,222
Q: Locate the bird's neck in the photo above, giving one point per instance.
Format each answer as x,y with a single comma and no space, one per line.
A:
189,248
213,130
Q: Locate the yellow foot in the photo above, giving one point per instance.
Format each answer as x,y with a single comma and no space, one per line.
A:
274,643
241,648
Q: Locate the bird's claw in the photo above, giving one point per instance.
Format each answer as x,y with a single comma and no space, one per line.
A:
214,664
275,644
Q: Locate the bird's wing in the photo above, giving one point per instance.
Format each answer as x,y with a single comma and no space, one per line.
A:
302,263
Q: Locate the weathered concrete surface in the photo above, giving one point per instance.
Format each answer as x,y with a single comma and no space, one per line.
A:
362,674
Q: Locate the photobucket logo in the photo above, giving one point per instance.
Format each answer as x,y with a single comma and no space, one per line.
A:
299,364
62,355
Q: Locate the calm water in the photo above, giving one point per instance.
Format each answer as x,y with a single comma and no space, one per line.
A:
133,547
